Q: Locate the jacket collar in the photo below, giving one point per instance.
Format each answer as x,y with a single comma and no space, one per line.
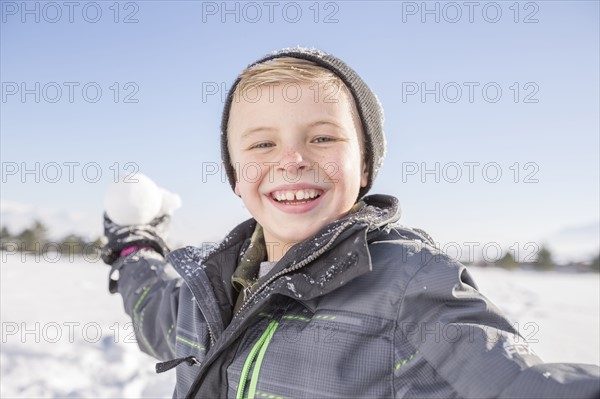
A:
247,272
334,256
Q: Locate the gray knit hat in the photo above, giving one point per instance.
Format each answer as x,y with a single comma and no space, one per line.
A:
367,104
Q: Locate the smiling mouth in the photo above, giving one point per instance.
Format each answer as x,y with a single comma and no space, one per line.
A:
296,197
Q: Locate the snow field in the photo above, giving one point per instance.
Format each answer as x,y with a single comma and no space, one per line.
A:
64,335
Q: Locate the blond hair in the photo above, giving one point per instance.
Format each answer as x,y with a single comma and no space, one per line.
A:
286,70
296,70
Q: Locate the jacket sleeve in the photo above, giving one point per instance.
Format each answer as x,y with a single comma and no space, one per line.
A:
467,348
150,290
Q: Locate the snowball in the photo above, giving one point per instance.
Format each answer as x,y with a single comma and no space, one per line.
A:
128,203
170,202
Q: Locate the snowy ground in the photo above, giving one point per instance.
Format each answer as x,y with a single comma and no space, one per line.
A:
63,335
558,313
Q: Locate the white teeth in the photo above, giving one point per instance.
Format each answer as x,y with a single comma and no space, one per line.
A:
298,195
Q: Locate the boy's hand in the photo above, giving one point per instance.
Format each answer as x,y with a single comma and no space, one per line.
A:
121,238
137,215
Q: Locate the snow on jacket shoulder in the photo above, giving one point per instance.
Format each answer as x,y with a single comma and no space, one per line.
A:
365,308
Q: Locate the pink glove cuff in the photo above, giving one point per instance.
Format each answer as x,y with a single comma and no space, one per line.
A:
134,248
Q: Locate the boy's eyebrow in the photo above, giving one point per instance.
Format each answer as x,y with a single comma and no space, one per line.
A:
323,122
250,132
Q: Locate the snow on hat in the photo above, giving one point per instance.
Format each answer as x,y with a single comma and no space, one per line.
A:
369,109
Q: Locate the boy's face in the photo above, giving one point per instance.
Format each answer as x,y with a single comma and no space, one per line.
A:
298,164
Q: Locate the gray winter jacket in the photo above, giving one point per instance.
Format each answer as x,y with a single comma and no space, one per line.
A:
365,308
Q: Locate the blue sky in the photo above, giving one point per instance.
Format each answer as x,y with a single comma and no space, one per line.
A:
176,50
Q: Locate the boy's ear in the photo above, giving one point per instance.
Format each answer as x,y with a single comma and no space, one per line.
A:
237,189
364,179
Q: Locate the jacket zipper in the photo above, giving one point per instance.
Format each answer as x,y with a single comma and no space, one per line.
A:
257,352
299,265
210,333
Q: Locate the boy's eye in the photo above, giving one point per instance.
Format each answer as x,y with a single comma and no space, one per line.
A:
262,145
323,139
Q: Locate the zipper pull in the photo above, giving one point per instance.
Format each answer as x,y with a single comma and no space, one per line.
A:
247,292
169,364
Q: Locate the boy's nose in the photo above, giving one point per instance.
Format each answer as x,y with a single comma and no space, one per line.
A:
293,161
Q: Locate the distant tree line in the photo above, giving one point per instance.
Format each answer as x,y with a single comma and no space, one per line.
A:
544,261
34,239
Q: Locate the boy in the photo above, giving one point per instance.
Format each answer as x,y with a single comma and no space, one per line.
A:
320,294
